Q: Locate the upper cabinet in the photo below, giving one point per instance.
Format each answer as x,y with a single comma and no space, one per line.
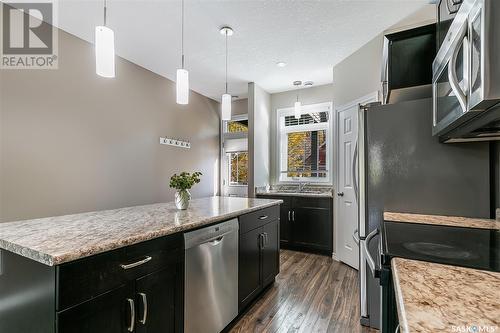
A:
407,64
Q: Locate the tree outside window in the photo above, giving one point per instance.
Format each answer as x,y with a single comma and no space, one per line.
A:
238,168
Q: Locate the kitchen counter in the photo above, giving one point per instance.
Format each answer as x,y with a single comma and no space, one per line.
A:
454,221
57,240
442,298
273,193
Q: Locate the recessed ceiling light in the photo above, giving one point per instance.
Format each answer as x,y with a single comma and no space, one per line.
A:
281,64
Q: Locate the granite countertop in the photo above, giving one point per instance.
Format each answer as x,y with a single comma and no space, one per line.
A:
297,194
454,221
56,240
441,298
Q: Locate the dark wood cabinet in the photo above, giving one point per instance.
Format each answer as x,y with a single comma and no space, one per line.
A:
258,254
270,252
249,283
149,297
312,224
306,223
285,218
157,299
110,312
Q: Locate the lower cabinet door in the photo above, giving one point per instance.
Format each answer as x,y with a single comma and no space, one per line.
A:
312,225
270,252
157,302
249,281
111,312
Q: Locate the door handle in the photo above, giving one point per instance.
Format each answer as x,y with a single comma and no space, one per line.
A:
354,165
145,307
288,216
135,264
340,194
261,241
132,315
355,236
293,216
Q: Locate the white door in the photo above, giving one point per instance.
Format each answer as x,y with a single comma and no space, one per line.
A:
347,206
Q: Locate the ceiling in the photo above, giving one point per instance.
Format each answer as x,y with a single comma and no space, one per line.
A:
311,36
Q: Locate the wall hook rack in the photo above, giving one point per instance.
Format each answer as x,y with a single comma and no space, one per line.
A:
175,142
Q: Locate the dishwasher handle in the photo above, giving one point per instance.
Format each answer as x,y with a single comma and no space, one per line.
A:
210,236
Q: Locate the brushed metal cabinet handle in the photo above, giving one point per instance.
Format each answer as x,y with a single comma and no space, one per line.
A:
145,307
288,216
137,263
132,315
293,216
263,217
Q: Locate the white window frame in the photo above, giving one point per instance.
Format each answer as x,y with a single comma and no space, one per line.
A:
229,169
282,143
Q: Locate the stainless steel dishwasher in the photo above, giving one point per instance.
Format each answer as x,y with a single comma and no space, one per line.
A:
211,278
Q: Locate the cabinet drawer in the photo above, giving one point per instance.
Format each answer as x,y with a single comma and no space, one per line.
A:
258,218
87,278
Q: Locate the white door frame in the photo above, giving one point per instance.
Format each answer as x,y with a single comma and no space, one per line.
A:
372,97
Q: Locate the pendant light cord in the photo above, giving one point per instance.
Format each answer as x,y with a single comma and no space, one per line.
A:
226,62
182,34
105,10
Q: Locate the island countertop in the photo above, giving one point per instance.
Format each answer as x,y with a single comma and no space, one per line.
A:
434,298
57,240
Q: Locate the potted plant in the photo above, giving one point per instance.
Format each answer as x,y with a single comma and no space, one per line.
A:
183,183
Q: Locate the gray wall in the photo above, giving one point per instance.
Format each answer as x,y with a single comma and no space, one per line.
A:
72,141
313,95
239,107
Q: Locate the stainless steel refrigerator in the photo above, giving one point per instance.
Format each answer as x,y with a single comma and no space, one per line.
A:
403,168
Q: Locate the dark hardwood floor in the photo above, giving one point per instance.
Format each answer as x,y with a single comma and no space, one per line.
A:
312,293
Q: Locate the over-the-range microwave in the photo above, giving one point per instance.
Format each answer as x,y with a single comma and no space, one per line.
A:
466,75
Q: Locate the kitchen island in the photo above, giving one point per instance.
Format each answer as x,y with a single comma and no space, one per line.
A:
90,272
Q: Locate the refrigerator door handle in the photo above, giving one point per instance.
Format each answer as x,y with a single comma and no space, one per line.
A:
353,171
366,252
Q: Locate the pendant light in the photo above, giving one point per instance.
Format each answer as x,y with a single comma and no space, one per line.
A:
182,82
226,98
104,49
297,107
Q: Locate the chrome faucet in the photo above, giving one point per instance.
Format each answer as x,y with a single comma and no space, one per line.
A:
302,186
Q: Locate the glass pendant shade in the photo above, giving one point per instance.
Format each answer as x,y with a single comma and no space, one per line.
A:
297,110
104,51
182,85
226,107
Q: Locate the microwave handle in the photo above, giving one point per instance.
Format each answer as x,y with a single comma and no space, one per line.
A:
452,72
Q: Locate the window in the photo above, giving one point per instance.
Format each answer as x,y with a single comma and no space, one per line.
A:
304,144
237,126
238,168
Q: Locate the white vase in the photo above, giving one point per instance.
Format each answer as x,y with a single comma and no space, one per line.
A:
182,198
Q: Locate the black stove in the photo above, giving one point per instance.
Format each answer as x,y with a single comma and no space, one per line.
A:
467,247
